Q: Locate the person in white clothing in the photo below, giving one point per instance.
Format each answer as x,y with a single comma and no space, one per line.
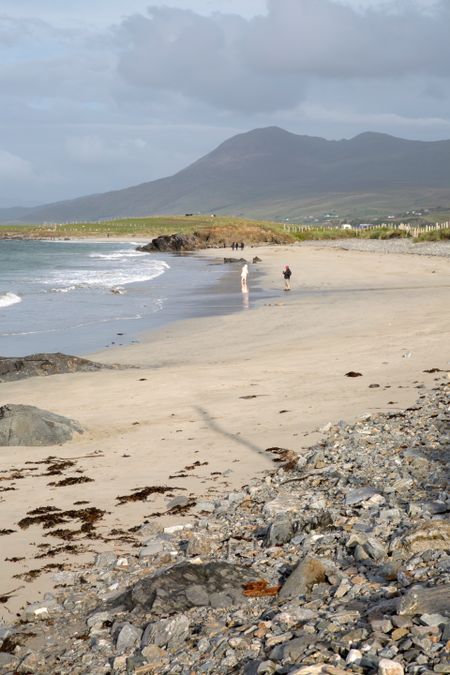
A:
244,275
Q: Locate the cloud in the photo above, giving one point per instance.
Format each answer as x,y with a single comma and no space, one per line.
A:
265,62
201,58
14,168
95,150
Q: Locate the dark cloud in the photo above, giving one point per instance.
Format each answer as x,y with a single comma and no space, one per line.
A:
201,58
264,63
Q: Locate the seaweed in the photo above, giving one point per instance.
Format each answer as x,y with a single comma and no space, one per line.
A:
141,494
72,480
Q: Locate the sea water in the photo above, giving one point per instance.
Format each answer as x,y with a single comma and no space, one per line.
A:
82,296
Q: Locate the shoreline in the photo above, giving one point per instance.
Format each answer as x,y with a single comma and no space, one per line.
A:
214,393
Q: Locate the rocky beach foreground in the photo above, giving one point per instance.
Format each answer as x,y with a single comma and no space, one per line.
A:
337,561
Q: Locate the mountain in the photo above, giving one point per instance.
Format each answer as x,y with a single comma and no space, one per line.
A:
271,172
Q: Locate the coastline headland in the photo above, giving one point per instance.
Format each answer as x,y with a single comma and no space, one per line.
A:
245,436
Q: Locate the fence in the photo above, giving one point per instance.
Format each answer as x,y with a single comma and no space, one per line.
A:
412,230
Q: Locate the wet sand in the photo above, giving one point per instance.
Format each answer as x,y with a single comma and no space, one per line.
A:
207,397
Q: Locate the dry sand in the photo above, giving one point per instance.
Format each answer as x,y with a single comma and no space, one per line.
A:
219,391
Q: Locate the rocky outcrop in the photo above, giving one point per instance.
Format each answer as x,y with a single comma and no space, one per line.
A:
28,425
17,368
173,243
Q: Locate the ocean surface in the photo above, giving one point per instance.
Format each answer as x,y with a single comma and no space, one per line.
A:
80,297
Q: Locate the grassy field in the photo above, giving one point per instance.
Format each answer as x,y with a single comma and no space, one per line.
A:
215,231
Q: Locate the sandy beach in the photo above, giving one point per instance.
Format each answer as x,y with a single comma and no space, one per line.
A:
204,399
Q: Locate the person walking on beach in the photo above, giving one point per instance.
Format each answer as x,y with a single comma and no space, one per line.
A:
287,277
244,275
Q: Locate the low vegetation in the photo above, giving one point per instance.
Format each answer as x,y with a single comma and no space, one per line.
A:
215,231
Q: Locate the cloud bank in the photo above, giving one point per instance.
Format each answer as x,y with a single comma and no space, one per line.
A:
88,109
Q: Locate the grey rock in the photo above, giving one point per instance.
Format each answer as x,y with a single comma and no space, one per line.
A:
171,589
31,426
128,637
181,500
293,650
17,368
7,662
374,548
359,495
420,600
173,243
434,619
308,572
106,560
280,532
167,632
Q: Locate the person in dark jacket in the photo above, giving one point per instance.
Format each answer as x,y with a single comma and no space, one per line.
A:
287,277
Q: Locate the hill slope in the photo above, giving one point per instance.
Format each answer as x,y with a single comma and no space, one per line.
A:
267,172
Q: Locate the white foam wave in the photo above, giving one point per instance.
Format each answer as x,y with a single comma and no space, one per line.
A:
9,299
109,278
117,255
63,290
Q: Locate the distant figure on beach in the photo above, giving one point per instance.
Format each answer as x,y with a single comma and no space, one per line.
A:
242,245
232,245
287,277
244,275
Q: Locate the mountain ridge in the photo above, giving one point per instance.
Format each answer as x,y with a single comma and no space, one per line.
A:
258,171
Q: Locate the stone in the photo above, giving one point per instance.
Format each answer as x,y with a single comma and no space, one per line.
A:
167,632
26,425
353,656
18,368
280,532
291,650
434,535
173,243
389,667
41,610
309,571
434,619
374,548
359,495
421,600
155,657
29,664
7,661
292,615
177,588
318,669
128,637
198,545
281,505
106,560
180,500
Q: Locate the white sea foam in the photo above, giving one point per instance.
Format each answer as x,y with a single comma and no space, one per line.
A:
9,299
117,255
67,280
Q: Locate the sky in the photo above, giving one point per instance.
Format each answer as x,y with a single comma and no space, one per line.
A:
97,95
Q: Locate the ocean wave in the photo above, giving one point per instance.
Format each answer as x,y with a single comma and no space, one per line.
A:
9,299
117,255
108,278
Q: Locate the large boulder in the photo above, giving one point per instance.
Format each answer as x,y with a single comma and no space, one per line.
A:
28,425
186,585
17,368
173,243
